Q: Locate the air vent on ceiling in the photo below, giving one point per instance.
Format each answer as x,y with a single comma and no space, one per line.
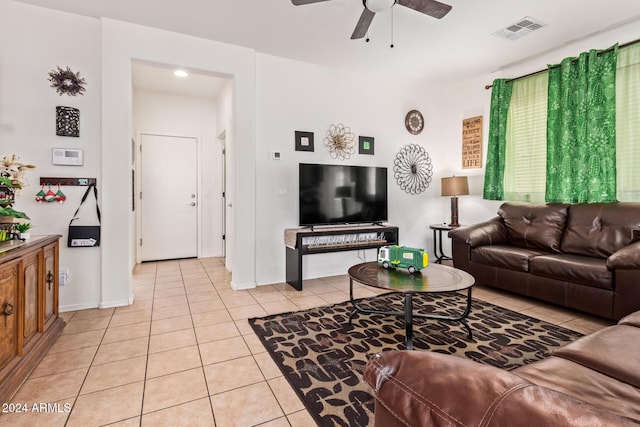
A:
519,29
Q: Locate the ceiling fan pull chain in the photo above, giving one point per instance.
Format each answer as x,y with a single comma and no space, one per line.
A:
391,28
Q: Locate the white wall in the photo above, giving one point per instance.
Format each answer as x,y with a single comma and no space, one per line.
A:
33,41
293,95
172,115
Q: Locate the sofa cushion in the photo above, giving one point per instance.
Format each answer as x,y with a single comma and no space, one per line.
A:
613,351
505,256
573,268
535,226
632,319
586,385
418,388
600,229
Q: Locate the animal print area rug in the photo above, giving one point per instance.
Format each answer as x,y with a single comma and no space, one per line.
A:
323,356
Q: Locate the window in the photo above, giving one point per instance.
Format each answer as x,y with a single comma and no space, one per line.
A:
525,151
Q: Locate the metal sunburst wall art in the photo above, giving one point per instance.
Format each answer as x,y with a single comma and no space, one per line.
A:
412,169
340,141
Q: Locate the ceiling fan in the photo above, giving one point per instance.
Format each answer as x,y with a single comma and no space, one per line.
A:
432,8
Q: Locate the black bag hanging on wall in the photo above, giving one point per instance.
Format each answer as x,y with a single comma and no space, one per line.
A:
83,236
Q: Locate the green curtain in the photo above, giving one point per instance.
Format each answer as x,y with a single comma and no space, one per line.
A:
581,129
494,170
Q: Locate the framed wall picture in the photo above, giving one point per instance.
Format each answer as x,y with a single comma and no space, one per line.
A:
472,143
304,141
365,145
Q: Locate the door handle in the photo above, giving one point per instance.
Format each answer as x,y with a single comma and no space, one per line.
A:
50,279
193,196
193,203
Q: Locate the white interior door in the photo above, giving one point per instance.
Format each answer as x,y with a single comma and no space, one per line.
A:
229,227
169,205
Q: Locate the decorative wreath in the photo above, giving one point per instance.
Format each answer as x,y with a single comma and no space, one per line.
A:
412,169
340,141
66,82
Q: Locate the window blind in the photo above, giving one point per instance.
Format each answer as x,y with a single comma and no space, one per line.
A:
526,148
628,124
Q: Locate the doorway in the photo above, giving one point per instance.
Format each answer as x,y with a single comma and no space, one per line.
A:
169,197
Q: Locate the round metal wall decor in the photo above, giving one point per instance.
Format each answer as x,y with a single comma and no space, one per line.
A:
66,82
412,169
340,141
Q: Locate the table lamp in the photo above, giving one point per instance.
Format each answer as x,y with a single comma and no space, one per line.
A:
454,186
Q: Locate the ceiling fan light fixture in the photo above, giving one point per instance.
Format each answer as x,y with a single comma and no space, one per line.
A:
378,6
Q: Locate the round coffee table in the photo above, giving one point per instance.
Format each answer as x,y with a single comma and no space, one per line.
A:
433,279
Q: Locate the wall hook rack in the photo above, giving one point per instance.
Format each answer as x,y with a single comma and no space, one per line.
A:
83,182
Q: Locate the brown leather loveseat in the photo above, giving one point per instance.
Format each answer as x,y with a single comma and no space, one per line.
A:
581,256
594,381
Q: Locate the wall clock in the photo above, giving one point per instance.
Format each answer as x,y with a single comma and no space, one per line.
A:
414,122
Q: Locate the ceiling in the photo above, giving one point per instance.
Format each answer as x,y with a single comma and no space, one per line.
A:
161,78
457,46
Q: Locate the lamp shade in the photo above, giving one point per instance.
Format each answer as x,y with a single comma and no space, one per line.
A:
455,186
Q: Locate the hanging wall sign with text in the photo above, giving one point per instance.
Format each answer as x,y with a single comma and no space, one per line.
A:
472,143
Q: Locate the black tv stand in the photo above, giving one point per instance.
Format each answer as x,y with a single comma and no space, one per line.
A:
305,241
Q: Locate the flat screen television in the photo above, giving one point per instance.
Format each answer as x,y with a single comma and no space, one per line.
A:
338,194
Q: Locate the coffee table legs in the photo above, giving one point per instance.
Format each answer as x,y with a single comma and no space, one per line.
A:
408,314
408,320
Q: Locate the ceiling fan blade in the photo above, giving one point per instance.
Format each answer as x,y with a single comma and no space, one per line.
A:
428,7
301,2
363,24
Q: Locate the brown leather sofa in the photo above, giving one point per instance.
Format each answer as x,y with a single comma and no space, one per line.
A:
582,256
594,381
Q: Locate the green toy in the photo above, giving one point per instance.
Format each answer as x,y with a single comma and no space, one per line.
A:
395,256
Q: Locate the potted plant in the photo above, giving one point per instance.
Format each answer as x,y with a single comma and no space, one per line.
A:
23,228
12,179
7,214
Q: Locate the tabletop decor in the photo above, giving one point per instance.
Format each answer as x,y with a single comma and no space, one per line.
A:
66,82
454,186
412,169
12,179
340,141
322,356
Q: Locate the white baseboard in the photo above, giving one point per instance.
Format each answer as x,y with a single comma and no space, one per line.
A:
77,307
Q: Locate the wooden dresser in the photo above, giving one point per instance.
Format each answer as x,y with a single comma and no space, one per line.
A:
29,322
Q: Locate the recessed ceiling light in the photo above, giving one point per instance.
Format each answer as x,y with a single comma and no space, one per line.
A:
180,73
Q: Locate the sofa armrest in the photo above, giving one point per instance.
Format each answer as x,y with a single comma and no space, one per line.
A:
418,388
491,232
627,258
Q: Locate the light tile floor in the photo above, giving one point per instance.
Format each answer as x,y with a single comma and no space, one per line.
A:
184,353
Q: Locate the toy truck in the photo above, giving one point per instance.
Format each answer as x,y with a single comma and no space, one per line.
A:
404,257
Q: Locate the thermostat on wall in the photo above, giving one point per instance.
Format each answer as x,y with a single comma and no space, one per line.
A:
66,157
